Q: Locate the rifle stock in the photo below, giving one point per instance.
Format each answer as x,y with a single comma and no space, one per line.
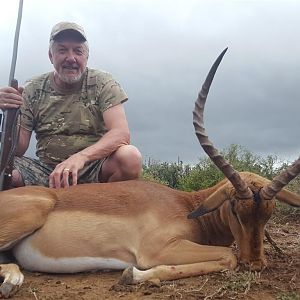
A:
9,140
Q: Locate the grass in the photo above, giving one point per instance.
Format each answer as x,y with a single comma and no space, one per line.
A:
288,296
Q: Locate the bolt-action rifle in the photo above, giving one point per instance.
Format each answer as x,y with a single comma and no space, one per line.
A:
9,119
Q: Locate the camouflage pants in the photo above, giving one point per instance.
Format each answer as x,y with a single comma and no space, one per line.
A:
34,172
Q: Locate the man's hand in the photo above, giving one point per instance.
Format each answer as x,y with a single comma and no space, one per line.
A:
10,97
67,169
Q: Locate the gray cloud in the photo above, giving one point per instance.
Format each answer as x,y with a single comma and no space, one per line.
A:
161,51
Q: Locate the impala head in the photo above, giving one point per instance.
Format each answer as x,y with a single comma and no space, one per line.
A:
248,199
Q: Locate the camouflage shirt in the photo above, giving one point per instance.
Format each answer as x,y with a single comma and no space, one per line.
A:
67,123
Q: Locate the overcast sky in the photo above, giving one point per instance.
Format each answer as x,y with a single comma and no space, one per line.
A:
161,50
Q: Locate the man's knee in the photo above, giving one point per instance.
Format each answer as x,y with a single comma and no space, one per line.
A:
130,160
124,164
17,179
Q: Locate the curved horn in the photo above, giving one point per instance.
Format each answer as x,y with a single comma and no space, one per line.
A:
280,181
233,176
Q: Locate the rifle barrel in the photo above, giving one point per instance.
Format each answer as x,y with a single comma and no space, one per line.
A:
16,43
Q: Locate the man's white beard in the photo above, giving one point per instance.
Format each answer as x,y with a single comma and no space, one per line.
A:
70,80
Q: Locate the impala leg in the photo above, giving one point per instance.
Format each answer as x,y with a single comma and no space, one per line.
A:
182,259
13,279
170,272
22,212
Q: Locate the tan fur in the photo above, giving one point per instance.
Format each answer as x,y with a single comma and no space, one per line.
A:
29,209
139,223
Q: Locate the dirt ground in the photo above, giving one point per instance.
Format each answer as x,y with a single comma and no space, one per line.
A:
280,280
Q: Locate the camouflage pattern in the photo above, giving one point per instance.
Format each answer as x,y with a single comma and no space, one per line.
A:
67,123
34,172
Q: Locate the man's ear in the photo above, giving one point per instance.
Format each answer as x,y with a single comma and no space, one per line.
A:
50,56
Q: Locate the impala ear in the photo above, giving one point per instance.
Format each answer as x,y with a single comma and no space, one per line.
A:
213,202
288,198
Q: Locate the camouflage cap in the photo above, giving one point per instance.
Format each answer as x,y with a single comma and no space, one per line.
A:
62,26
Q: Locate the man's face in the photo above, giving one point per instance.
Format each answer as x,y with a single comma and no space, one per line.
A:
69,58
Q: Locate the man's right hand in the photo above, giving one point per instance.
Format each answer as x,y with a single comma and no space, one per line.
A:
10,97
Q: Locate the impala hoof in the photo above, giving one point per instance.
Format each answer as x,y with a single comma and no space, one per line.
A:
127,276
7,290
13,280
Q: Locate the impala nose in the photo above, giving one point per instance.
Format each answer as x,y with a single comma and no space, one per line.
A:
256,265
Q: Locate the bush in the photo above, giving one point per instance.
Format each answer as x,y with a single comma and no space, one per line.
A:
205,174
169,174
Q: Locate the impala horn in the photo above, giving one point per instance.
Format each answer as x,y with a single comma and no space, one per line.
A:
280,181
242,190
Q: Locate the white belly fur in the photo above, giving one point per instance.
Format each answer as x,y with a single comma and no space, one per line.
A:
33,260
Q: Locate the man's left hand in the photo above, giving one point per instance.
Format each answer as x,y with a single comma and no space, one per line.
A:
67,169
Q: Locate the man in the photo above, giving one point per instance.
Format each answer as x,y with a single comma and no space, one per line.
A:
78,116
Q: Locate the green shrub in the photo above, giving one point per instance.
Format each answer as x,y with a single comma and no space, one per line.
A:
205,174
